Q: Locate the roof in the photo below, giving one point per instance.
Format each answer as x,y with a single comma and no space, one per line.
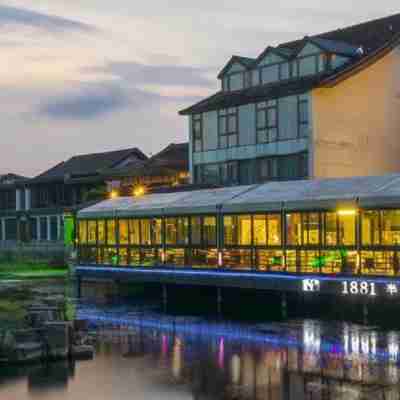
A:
325,194
245,61
10,178
365,43
269,91
88,165
172,159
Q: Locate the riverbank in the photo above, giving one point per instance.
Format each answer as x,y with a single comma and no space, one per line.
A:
27,271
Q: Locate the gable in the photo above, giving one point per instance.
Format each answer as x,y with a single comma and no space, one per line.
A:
270,58
235,67
309,49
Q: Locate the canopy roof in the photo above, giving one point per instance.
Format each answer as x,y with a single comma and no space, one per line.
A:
374,191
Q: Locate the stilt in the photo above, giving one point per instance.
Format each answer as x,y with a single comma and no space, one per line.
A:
79,290
219,301
284,306
165,297
365,313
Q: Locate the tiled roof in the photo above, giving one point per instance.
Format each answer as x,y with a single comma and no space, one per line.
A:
269,91
87,164
173,158
373,37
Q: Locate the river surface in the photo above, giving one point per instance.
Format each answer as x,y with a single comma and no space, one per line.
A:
142,353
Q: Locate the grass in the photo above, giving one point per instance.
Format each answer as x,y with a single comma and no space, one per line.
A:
28,271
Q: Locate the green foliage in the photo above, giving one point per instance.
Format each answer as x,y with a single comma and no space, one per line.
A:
31,271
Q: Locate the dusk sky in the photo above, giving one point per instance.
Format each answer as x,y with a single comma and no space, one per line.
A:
83,76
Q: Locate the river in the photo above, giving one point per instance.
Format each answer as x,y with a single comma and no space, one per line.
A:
143,353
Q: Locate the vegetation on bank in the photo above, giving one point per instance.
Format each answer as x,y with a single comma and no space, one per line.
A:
19,271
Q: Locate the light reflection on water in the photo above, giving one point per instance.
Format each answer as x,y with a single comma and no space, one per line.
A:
145,355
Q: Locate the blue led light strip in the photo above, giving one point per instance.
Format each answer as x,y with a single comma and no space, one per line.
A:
82,270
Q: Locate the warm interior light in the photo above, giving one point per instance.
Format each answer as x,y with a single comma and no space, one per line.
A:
347,212
113,194
139,191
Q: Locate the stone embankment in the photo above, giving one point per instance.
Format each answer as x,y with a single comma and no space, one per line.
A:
48,337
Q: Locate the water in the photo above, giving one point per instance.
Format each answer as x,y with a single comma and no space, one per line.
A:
142,353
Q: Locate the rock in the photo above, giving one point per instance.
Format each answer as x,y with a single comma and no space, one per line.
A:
82,352
57,335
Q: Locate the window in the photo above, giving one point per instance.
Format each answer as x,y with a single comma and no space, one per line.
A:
82,230
204,231
33,228
197,132
347,230
267,121
101,232
236,81
111,234
293,229
134,232
267,230
228,128
210,173
391,227
303,117
54,229
330,229
370,231
229,173
123,231
92,232
270,74
237,230
176,231
267,169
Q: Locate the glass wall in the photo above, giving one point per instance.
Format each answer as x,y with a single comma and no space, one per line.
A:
324,242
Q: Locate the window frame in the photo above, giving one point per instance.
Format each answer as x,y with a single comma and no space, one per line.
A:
225,115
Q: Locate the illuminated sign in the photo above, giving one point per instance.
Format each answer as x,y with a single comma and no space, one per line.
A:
311,285
359,288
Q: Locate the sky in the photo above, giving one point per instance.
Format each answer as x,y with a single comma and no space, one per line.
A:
86,76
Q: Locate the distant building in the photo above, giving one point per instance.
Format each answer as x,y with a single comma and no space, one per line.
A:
166,169
322,106
34,209
9,184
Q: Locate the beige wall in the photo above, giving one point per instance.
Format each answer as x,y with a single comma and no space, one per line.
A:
356,124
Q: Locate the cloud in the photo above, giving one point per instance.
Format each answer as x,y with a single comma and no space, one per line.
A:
89,101
26,17
163,75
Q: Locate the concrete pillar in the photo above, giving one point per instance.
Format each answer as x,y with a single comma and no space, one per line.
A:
165,297
219,300
28,200
284,306
18,200
365,313
48,228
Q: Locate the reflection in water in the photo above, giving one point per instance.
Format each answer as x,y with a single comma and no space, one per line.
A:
299,360
144,355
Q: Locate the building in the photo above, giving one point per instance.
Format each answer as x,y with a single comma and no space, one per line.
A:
9,185
322,106
33,209
334,236
166,169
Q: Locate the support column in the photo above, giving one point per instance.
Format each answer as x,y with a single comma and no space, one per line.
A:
164,297
284,305
365,313
219,301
